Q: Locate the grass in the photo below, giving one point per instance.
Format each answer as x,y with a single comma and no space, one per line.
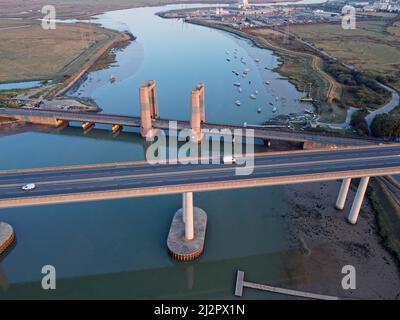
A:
373,47
32,53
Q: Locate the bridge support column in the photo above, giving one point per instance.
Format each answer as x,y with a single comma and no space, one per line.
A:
188,214
146,126
188,230
355,208
148,108
183,208
87,126
62,123
197,114
344,190
151,85
200,89
116,128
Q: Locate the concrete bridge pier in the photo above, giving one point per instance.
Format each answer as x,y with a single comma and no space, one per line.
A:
151,87
146,126
62,123
344,190
188,229
200,90
87,126
188,215
355,208
7,236
116,128
197,114
148,108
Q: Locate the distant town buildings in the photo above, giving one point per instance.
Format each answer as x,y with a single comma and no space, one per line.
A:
243,15
387,5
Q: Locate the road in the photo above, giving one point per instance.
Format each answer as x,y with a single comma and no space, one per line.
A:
393,103
129,121
110,181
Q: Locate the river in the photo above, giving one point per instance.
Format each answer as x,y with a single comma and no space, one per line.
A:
117,249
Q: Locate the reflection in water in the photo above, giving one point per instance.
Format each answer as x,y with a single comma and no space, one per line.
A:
3,280
199,280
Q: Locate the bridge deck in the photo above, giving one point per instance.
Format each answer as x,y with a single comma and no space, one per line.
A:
30,115
110,181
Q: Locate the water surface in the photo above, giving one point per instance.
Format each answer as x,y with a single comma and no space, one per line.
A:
117,249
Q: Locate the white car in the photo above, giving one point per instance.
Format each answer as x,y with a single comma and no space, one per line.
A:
229,160
29,187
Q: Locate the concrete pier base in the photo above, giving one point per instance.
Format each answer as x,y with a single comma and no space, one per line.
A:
180,248
6,236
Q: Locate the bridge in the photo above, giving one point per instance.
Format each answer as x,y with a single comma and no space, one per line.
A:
150,119
137,179
359,159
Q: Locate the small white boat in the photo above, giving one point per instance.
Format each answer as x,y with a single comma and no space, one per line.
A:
267,82
259,110
227,59
237,84
253,96
246,71
274,110
256,92
240,89
237,102
309,111
113,78
257,60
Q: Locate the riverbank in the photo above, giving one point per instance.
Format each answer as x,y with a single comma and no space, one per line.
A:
326,243
303,65
87,8
93,51
75,78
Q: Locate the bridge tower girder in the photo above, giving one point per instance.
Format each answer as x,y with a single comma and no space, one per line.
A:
148,107
197,113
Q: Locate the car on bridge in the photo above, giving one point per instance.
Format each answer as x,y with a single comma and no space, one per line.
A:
29,187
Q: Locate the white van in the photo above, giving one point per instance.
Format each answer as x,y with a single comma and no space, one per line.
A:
229,160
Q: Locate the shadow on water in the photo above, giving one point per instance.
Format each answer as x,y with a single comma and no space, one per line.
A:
192,280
